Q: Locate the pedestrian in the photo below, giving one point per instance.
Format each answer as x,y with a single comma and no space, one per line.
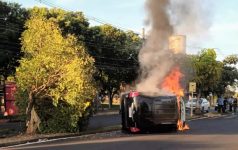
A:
225,103
234,105
220,103
230,102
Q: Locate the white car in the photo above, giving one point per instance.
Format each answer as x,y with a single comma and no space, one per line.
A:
202,104
191,103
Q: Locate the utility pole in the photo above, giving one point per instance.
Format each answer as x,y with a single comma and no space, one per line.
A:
192,89
143,36
143,33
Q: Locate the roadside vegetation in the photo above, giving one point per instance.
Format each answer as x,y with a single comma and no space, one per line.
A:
61,64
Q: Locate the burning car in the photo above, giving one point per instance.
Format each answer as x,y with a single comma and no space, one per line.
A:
143,111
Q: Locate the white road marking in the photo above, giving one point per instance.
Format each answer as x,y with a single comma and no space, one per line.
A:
230,117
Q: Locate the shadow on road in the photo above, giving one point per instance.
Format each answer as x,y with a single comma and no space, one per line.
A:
139,143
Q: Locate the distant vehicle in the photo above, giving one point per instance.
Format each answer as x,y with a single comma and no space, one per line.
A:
201,104
204,105
191,103
139,111
7,97
216,106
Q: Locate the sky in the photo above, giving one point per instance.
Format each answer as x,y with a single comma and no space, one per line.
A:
131,15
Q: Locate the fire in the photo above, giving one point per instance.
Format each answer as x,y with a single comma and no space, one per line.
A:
171,83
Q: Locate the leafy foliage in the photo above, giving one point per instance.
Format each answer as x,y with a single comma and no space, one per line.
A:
115,53
229,74
55,68
12,18
207,70
231,60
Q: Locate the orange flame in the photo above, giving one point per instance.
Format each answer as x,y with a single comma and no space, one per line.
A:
171,83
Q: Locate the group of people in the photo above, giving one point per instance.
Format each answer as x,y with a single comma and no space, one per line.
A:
227,103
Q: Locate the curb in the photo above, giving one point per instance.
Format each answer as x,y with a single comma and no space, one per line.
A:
4,120
102,113
205,117
59,137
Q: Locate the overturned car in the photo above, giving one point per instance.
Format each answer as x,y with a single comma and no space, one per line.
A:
143,111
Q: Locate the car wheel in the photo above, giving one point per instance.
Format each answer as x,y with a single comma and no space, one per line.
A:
208,109
174,127
202,110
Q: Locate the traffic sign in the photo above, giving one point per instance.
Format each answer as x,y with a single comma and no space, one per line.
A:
192,86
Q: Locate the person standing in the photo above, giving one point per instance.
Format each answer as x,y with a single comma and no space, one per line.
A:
225,103
230,102
234,105
220,103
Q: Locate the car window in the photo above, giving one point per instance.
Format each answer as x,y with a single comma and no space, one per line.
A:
200,101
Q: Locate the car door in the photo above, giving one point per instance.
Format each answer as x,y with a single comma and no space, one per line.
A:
205,104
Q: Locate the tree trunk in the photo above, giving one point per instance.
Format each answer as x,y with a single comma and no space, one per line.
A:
32,121
199,93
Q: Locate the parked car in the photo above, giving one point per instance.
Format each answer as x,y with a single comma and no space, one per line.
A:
204,105
201,104
216,106
191,103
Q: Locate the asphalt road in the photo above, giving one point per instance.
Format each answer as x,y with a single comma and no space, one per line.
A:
217,134
100,121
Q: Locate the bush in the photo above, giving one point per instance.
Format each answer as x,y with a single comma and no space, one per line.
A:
62,118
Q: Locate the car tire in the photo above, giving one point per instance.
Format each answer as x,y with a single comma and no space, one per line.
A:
174,127
208,109
123,117
202,110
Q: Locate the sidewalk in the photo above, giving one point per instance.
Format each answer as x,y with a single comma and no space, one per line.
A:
8,129
103,121
4,120
105,118
106,112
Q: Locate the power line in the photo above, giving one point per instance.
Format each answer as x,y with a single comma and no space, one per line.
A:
88,41
100,21
111,67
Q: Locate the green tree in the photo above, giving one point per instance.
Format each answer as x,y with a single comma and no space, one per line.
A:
54,69
207,71
231,60
186,65
229,74
12,18
115,53
69,22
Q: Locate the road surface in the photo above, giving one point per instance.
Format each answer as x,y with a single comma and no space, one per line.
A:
218,134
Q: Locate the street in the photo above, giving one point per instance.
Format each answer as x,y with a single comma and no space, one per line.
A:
99,121
218,133
74,73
